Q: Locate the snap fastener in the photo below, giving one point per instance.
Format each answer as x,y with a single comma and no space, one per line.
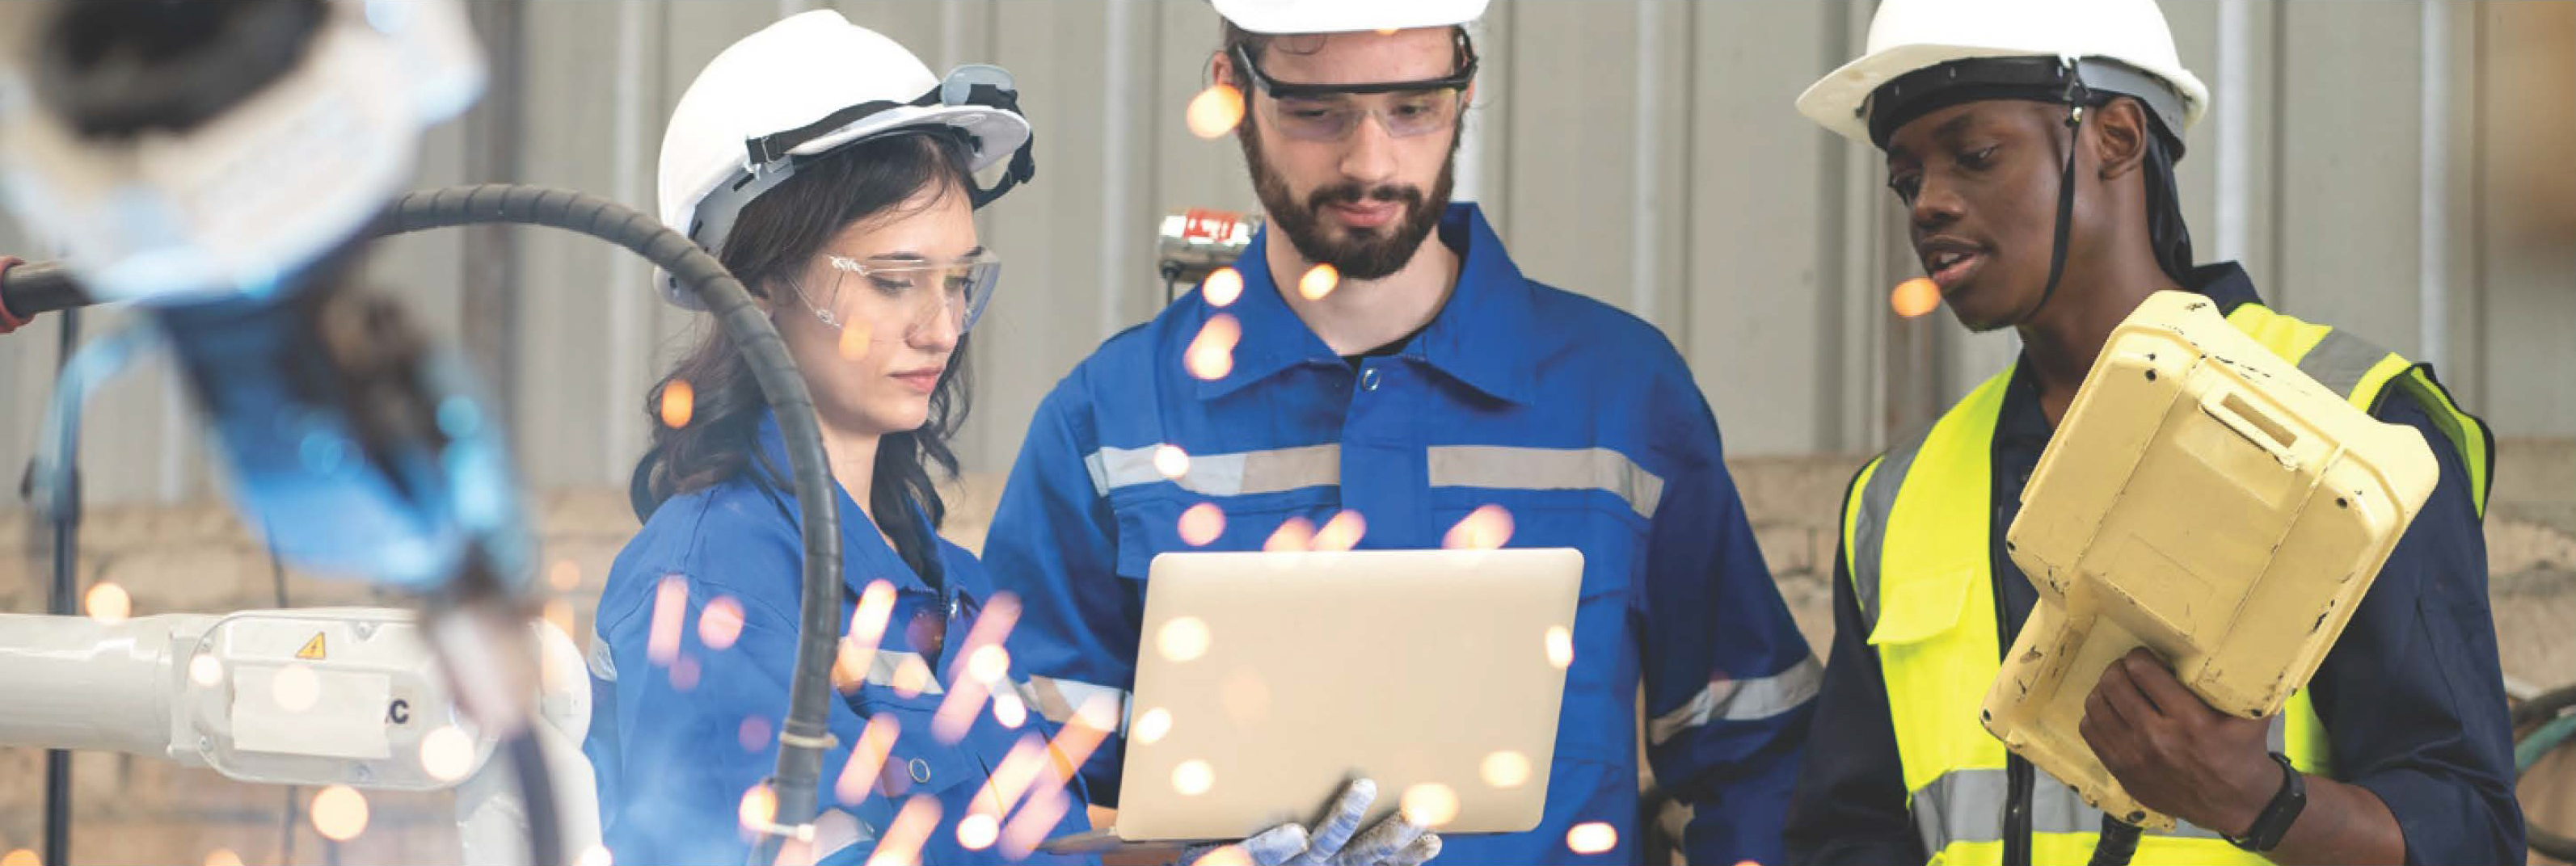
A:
920,770
1368,379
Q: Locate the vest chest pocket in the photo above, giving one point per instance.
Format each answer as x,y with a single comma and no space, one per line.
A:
915,762
1918,604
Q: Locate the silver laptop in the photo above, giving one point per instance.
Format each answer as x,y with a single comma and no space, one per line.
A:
1266,680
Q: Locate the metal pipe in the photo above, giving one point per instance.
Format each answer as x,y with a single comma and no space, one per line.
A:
626,274
1645,162
2433,187
1469,184
1117,169
66,514
2234,150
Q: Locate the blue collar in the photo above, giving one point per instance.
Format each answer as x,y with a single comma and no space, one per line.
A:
2224,282
860,542
1481,337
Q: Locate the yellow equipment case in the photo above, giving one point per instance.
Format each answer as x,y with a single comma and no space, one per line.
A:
2205,499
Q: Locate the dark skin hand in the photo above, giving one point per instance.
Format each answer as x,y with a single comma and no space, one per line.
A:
2180,757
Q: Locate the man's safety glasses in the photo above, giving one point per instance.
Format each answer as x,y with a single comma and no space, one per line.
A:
897,295
1329,112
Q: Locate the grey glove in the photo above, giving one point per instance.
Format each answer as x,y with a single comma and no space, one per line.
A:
1336,841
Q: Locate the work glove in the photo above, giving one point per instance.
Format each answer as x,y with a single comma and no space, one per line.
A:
1336,841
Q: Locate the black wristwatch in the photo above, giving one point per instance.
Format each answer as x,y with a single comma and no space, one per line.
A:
2277,815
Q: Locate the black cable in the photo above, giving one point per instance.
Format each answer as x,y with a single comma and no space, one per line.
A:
30,288
66,589
544,837
2544,707
2537,711
2118,843
806,733
2551,845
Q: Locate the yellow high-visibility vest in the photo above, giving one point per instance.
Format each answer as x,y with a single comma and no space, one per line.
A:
1916,536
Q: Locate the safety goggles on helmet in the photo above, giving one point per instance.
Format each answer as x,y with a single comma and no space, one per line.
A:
769,159
1329,112
901,295
972,84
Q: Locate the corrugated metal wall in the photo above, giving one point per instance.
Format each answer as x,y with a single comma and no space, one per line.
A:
1642,152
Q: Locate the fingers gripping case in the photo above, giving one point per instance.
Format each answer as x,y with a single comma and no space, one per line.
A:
2205,499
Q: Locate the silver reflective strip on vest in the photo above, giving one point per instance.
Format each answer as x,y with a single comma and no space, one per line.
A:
1869,527
2340,360
1968,806
1058,700
1512,468
1742,700
1237,474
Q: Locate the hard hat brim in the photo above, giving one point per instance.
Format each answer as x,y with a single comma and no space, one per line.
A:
1836,100
1274,18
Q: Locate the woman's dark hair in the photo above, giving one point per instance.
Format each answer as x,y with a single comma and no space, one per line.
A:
772,242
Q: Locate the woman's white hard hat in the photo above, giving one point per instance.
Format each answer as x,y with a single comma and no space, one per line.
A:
802,87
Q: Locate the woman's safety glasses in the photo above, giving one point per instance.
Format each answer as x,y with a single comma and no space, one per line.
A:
1329,112
898,295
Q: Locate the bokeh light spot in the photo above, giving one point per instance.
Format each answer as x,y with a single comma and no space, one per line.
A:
1183,638
1915,297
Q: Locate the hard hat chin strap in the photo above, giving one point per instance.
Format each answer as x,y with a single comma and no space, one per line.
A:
2077,96
1023,167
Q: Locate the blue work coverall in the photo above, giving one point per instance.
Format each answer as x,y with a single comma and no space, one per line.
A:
1580,420
675,746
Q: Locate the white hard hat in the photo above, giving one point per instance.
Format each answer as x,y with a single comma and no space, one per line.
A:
154,210
801,87
1345,16
1908,36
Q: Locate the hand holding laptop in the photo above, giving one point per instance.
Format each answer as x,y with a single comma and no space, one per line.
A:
1337,840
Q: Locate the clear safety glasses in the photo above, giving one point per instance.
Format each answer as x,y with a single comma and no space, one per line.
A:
1329,112
901,296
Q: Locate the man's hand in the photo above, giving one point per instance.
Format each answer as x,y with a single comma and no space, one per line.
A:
1337,840
2173,752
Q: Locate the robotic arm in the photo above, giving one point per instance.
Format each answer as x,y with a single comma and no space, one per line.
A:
315,696
218,165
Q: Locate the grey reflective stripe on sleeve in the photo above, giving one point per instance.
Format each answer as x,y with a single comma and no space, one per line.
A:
1742,700
1505,467
1869,527
1968,806
2340,360
1058,700
1242,473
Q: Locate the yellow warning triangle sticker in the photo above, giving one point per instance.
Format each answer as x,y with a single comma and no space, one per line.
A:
312,648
